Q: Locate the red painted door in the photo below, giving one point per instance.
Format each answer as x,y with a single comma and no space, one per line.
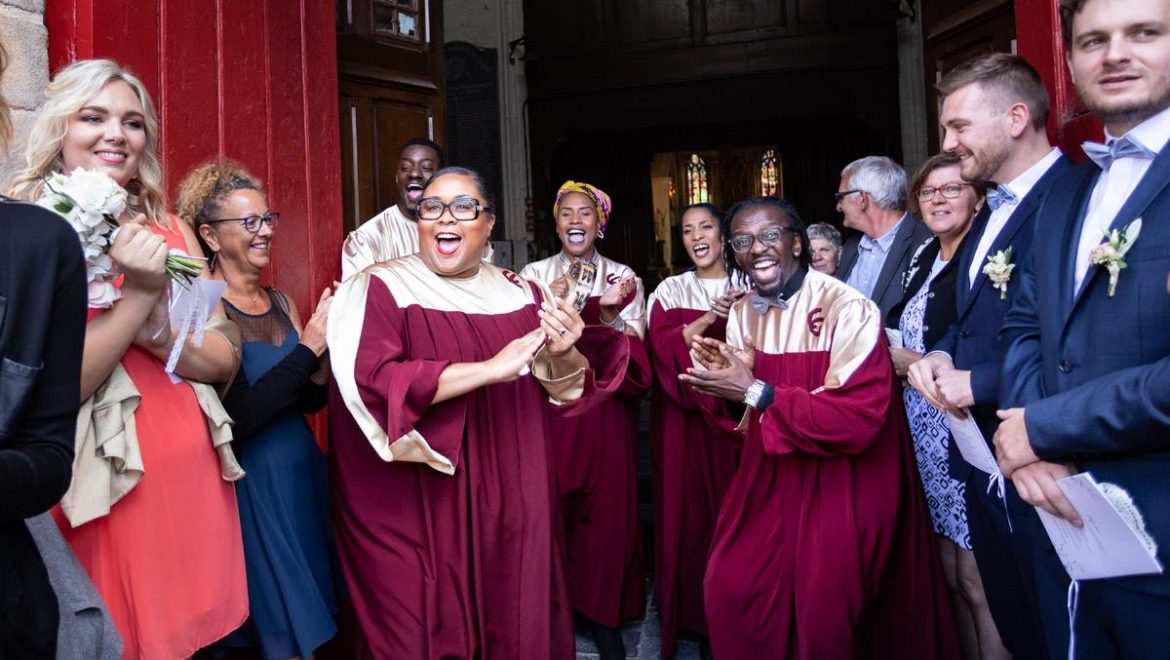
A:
255,81
1038,40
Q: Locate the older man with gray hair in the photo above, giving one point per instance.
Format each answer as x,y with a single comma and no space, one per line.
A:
872,197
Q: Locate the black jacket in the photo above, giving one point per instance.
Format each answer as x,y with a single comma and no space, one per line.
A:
940,305
42,329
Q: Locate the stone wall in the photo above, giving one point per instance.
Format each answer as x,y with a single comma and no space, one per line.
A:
23,34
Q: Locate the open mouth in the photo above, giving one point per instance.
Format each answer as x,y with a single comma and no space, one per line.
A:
701,250
111,157
1117,80
414,191
765,270
260,246
447,242
575,236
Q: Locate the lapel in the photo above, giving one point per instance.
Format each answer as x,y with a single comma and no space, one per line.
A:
902,242
1152,184
1020,216
1070,203
963,259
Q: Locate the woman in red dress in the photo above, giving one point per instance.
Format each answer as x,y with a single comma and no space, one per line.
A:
167,558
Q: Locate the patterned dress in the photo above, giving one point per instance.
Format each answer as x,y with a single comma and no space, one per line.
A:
928,426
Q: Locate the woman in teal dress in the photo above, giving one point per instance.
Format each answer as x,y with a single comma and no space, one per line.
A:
283,499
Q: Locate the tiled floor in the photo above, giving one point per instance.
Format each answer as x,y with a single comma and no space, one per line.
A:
642,639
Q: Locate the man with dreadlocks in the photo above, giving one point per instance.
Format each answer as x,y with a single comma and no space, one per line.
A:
823,547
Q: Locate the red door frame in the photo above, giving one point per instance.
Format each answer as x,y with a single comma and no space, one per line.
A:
255,81
1039,40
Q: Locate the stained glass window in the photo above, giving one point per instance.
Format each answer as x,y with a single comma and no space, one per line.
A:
769,175
697,192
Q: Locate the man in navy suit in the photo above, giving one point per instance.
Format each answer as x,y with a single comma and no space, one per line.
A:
1086,376
872,197
994,113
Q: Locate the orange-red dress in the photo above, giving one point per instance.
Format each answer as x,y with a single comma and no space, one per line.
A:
168,559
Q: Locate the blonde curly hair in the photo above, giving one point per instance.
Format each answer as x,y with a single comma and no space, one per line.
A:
203,190
70,90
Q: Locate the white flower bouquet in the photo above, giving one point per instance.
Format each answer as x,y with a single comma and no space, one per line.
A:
91,202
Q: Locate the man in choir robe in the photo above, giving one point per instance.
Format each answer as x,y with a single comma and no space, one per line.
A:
823,548
444,494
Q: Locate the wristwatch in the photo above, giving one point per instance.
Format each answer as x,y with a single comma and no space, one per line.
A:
754,392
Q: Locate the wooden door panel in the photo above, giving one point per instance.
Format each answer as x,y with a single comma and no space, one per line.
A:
394,122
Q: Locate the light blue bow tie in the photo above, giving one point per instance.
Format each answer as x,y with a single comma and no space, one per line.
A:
997,197
1123,147
761,304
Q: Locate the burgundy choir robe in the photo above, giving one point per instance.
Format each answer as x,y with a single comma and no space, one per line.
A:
446,513
596,462
693,460
823,548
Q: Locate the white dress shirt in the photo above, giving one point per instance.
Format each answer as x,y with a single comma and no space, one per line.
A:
1114,187
1020,186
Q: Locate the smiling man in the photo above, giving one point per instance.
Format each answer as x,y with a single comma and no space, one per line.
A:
393,233
1086,376
823,547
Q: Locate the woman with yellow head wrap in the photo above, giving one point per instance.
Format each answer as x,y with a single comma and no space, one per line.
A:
595,455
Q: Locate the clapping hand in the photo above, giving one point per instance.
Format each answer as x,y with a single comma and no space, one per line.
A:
513,359
727,371
313,335
721,306
615,293
561,324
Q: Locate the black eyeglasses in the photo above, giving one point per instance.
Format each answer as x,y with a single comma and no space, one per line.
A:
948,190
770,237
845,193
464,209
252,223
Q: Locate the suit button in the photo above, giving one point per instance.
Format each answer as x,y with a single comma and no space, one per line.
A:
1065,366
964,334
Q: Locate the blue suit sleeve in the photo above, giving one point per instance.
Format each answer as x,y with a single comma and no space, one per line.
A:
1119,413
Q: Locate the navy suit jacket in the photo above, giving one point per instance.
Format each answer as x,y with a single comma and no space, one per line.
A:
887,291
1093,371
973,340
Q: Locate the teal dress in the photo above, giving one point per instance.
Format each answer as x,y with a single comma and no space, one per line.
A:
284,499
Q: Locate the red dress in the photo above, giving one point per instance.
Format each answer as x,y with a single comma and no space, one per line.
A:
694,460
445,512
824,549
168,560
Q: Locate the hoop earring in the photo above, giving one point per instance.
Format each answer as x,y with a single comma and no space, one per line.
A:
600,232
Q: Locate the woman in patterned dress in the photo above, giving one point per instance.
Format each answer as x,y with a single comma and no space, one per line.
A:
947,204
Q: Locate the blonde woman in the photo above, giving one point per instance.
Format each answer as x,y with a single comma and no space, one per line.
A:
167,558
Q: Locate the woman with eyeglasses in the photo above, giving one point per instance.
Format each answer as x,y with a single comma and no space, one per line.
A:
947,205
148,514
596,456
444,496
284,499
693,461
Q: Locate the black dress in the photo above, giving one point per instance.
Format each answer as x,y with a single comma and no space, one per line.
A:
42,330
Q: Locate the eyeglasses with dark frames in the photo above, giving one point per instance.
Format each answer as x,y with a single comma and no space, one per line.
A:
770,237
948,190
463,209
252,223
840,195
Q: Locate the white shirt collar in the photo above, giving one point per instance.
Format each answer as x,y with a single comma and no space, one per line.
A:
1023,184
1152,133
